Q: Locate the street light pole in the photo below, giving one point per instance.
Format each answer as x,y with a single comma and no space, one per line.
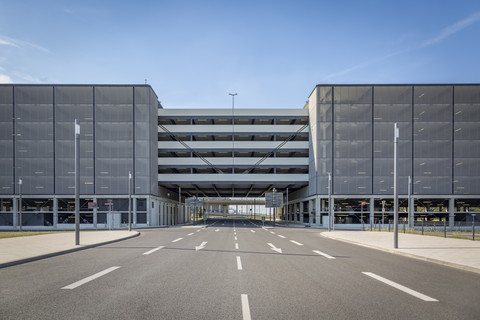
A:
129,201
20,204
77,182
411,220
329,201
288,215
233,135
383,212
395,191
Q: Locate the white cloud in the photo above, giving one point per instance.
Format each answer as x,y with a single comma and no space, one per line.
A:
454,28
362,65
4,40
7,43
5,79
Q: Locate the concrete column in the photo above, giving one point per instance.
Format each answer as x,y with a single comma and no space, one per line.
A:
161,221
181,214
15,212
451,214
411,213
225,211
295,214
169,214
55,213
372,211
310,209
149,210
95,214
318,214
134,211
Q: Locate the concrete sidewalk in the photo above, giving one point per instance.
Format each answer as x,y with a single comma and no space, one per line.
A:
458,253
29,248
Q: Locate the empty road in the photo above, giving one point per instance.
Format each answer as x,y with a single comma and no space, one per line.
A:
235,269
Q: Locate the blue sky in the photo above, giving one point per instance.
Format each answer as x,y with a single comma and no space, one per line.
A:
272,53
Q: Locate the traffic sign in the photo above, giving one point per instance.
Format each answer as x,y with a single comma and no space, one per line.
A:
274,199
193,202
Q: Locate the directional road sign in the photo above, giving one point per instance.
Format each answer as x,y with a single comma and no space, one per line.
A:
274,199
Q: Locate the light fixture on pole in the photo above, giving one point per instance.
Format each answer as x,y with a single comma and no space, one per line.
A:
77,182
395,191
20,204
129,201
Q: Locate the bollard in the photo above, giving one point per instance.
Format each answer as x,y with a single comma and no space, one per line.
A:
403,226
388,225
422,226
445,228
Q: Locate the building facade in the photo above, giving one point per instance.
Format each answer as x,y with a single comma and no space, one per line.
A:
118,136
352,130
344,132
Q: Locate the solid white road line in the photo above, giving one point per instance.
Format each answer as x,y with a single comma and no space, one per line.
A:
297,243
323,254
400,287
283,237
177,239
272,232
245,308
236,246
88,279
239,263
252,231
190,234
153,250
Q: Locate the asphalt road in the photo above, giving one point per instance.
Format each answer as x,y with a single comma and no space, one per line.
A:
234,269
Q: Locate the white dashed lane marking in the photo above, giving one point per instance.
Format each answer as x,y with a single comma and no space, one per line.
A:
176,240
153,250
88,279
239,263
400,287
245,308
323,254
297,243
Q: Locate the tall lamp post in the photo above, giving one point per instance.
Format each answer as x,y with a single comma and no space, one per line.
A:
77,182
20,204
129,201
395,191
329,201
233,134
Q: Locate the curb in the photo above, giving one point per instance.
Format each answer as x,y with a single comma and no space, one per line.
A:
59,253
409,255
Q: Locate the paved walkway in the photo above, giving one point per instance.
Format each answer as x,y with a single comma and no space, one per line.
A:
29,248
458,253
